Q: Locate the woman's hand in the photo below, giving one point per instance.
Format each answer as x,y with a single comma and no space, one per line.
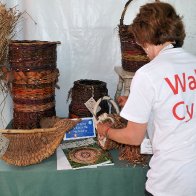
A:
102,129
122,100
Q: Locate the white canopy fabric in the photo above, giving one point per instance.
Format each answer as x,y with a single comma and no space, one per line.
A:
88,32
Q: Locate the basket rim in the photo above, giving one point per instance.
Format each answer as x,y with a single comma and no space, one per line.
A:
37,130
33,42
83,82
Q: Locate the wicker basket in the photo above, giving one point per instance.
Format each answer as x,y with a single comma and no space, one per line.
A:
25,55
81,92
34,73
129,153
27,147
133,56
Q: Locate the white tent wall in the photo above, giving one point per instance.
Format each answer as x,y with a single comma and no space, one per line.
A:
87,30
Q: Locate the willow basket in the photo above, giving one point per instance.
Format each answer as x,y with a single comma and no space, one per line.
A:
81,92
26,55
27,147
34,77
133,56
129,153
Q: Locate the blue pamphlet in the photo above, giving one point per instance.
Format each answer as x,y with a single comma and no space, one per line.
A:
84,129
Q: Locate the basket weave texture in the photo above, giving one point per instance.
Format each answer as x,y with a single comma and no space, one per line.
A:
25,55
133,56
81,92
27,147
35,74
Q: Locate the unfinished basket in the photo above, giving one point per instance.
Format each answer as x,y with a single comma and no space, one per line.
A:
27,147
105,144
133,56
129,153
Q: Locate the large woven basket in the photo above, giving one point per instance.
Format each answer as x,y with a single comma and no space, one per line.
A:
34,78
129,153
81,92
27,147
133,56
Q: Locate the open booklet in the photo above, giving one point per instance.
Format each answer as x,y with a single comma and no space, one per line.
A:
82,154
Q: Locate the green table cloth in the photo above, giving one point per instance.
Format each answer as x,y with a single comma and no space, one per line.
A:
44,180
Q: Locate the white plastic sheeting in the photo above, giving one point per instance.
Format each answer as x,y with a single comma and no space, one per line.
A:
88,32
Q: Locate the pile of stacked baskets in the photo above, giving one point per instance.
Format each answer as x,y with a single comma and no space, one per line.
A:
35,74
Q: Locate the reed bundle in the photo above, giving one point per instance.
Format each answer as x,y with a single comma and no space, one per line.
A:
8,20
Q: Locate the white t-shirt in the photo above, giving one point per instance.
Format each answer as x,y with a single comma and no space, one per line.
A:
163,93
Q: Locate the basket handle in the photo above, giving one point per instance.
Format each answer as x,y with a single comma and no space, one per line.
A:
109,99
124,11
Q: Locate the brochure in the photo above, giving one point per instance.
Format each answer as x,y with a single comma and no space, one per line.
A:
77,155
84,129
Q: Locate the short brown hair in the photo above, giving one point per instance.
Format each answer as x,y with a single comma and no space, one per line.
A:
157,23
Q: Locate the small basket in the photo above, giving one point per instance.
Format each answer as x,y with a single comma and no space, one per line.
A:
27,147
133,56
129,153
81,92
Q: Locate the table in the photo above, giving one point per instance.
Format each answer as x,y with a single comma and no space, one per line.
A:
44,180
124,81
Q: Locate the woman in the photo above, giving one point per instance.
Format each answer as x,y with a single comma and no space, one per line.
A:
163,102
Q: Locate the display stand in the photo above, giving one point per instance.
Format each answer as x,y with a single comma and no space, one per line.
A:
124,82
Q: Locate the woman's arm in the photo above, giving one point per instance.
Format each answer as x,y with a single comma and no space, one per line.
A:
133,134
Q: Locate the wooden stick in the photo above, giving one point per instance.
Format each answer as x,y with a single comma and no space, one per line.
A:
27,131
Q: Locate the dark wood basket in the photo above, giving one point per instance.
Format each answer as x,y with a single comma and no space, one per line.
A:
25,55
81,92
133,56
34,73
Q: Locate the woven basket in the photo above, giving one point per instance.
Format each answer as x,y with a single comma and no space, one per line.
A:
26,55
27,147
34,77
129,153
133,56
81,92
30,120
